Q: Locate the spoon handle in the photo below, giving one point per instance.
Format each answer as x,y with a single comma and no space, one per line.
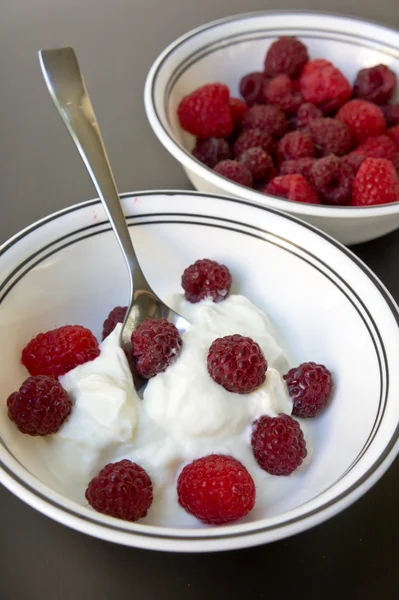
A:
67,88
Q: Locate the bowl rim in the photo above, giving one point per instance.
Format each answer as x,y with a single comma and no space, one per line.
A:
190,162
172,539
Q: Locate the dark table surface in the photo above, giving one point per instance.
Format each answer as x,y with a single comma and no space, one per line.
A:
355,554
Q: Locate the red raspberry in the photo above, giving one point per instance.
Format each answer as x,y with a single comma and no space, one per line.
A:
391,114
56,352
380,146
306,113
309,386
40,406
216,489
353,161
393,134
278,444
376,84
301,166
205,112
268,118
122,490
235,171
117,315
211,151
287,56
294,145
363,119
281,92
156,343
251,139
237,363
330,137
259,163
292,187
251,88
324,85
376,182
206,279
332,180
238,109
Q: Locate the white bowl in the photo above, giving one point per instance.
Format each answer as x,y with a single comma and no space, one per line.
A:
227,49
325,303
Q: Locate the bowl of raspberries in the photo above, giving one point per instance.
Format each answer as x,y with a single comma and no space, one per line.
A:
271,413
294,111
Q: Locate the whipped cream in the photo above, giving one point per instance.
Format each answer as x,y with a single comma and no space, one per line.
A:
183,415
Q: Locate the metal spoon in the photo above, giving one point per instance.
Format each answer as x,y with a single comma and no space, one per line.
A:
66,86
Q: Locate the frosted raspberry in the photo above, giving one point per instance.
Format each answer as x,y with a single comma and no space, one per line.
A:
375,84
294,145
235,171
211,151
281,92
287,55
330,137
267,118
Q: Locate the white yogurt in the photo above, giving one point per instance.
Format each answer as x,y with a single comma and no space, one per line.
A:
184,414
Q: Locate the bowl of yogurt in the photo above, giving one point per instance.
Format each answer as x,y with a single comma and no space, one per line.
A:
296,292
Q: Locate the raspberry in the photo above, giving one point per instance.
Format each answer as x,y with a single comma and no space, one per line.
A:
380,146
56,352
280,92
363,119
117,315
324,85
156,343
254,137
353,161
122,490
287,55
237,363
205,112
206,279
391,114
216,489
40,406
300,166
376,84
251,88
376,182
278,444
211,151
268,118
294,145
332,180
292,187
238,109
235,171
330,136
306,113
258,162
309,386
